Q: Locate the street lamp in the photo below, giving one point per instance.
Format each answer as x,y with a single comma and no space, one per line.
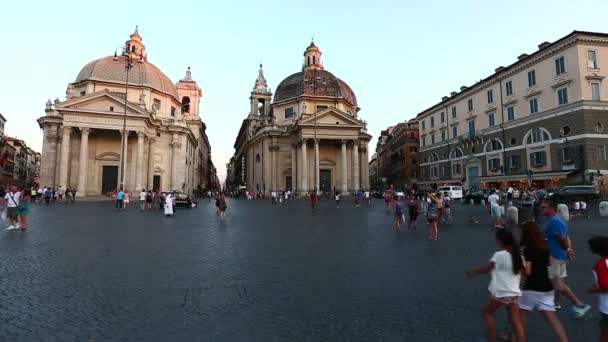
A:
126,53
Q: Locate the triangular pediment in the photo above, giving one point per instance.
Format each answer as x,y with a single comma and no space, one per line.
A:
100,102
330,116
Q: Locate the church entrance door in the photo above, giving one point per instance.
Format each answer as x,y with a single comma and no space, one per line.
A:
325,180
109,179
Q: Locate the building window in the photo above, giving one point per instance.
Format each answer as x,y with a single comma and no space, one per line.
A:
158,135
443,136
567,155
111,109
599,127
531,78
289,113
83,93
423,125
156,104
320,108
423,141
432,122
595,91
494,145
565,130
257,158
494,164
172,111
560,66
592,59
454,112
536,136
454,131
509,88
513,162
538,159
510,113
433,138
562,96
456,169
470,104
185,104
434,172
491,121
442,117
472,127
457,153
601,152
490,96
534,105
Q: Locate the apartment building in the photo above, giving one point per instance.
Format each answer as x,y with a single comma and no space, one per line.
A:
542,119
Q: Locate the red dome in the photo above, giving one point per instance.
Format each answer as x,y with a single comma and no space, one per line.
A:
314,82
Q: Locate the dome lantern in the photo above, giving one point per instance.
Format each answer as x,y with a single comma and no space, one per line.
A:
260,82
312,57
135,47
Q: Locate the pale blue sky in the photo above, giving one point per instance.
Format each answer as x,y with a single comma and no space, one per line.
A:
399,58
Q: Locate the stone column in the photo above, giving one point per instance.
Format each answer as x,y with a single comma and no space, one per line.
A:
304,176
171,169
65,157
151,163
125,157
84,157
49,156
139,163
57,170
317,163
294,167
344,185
356,183
274,175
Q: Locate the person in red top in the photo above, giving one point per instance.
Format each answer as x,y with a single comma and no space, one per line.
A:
387,199
313,199
599,246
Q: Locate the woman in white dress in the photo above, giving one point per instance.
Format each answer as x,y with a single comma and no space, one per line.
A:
168,205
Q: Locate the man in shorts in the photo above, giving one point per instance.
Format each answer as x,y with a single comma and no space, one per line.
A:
495,209
12,199
560,249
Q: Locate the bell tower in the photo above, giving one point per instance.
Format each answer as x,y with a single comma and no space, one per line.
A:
189,96
260,97
136,47
312,57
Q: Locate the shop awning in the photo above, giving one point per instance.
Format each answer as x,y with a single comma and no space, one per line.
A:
524,177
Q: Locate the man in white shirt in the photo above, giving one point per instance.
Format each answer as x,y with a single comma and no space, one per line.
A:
368,198
510,193
12,199
142,199
495,209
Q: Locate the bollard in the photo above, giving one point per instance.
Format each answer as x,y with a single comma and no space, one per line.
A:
471,202
512,216
603,208
563,212
483,201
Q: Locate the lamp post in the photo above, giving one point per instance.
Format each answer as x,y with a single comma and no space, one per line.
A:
126,53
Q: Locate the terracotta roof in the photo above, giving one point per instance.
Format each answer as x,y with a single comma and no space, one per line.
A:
145,74
314,82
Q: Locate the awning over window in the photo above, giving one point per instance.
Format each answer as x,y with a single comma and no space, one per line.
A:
524,177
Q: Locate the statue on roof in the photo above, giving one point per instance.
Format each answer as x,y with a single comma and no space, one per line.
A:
49,106
69,92
142,98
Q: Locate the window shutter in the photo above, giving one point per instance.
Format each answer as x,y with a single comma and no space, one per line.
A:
543,158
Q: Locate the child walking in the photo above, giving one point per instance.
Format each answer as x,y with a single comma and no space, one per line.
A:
505,267
398,213
599,246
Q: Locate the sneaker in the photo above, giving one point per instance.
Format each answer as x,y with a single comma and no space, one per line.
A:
580,310
11,227
558,306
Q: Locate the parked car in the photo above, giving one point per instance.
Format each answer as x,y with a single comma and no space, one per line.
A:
455,192
573,192
476,195
183,200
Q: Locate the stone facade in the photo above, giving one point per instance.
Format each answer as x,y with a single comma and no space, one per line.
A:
310,138
398,157
165,146
546,113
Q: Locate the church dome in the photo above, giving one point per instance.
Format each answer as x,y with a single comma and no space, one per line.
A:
313,80
112,69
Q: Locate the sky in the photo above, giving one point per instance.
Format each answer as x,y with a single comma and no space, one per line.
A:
399,57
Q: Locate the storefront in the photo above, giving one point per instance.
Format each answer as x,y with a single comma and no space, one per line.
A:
538,180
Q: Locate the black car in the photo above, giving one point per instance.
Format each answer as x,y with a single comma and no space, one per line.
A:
476,195
574,192
183,200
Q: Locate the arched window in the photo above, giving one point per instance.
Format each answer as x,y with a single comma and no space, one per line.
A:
257,158
456,153
185,104
314,60
434,158
308,62
537,135
493,145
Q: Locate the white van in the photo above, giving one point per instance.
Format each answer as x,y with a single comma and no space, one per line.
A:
455,192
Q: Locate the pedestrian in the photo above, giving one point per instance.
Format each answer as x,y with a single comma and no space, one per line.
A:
12,199
398,213
313,200
439,204
60,193
560,249
599,247
47,196
413,207
537,289
432,217
40,193
119,198
387,199
368,198
149,198
505,267
337,197
24,208
168,205
286,194
510,193
142,199
54,192
33,194
495,210
447,210
358,198
126,199
222,206
68,195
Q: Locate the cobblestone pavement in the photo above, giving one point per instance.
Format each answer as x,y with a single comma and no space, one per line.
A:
269,273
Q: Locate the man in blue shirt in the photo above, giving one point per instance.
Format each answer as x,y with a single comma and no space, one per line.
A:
120,195
560,249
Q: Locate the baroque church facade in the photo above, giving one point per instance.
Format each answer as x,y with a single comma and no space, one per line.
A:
166,144
308,138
